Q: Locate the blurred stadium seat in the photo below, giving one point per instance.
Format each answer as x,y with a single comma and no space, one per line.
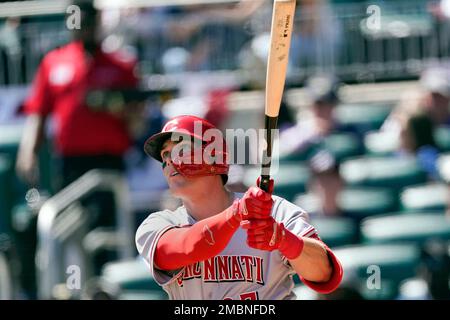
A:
362,202
396,262
133,280
337,231
388,172
427,197
362,118
339,145
415,227
380,143
304,293
310,202
342,145
442,136
386,143
291,179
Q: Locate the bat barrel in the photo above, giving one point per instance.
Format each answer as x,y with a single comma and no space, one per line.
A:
280,40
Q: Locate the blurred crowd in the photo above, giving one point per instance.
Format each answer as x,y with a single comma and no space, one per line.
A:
201,37
88,99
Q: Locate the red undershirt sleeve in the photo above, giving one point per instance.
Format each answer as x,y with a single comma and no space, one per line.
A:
179,247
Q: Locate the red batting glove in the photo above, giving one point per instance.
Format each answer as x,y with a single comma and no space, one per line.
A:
267,234
256,204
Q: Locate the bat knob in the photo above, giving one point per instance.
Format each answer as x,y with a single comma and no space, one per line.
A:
265,183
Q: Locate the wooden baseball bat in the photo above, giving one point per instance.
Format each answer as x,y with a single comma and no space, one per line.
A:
280,42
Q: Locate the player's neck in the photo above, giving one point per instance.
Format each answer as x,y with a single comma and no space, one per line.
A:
209,203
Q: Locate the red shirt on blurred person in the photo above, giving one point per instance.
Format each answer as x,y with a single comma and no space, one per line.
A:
64,78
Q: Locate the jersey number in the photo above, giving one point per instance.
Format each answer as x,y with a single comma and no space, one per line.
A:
253,295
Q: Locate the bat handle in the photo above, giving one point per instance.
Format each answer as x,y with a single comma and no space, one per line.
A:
264,183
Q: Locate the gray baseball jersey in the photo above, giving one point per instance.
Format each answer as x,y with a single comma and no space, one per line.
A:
238,272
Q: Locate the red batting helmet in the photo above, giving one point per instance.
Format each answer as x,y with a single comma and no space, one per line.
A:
195,128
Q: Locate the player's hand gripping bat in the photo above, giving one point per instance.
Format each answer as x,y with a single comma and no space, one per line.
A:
280,41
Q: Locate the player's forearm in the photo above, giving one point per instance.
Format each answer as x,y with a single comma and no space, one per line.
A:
33,134
180,247
27,157
313,263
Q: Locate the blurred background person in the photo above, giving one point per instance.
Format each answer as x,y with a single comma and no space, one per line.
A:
319,121
75,84
66,79
217,33
416,130
436,83
310,130
198,37
432,97
316,41
317,36
417,138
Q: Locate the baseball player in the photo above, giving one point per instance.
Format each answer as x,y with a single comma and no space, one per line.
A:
220,245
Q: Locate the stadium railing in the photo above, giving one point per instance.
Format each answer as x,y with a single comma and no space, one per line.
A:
62,226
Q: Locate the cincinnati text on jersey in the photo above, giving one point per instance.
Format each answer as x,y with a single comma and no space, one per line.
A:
225,268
